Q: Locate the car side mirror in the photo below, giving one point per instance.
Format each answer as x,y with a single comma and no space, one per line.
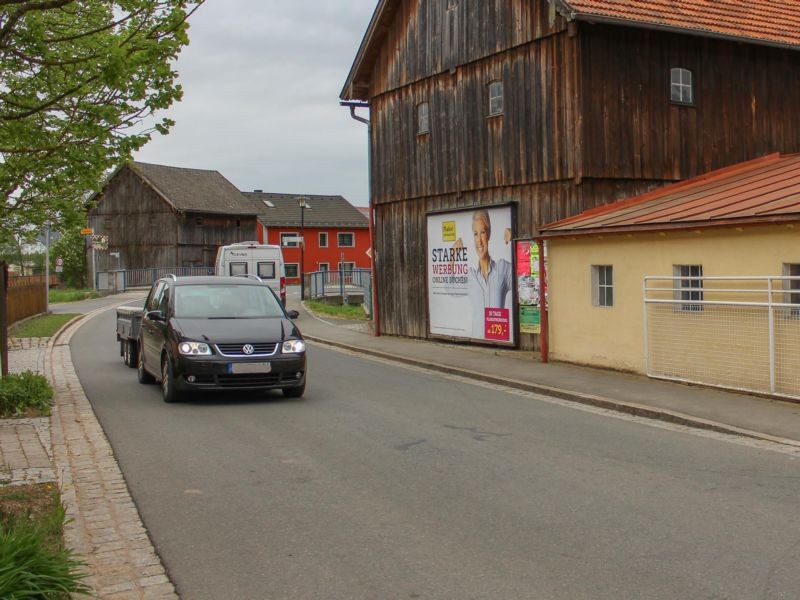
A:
293,314
155,315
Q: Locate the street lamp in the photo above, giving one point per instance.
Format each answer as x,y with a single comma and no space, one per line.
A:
303,202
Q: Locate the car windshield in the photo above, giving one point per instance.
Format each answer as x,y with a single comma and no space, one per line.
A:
226,302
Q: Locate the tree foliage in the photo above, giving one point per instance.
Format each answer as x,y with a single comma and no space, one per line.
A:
79,81
71,248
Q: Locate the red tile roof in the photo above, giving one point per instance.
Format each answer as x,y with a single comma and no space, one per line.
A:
765,190
768,21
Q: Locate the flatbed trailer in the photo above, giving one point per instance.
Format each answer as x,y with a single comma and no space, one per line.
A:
129,323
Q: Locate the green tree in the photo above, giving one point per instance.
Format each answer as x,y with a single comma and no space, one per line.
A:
79,83
71,248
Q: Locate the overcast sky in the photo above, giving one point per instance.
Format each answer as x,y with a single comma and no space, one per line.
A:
261,82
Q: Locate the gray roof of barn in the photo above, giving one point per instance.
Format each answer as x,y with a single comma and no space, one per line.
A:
194,190
324,211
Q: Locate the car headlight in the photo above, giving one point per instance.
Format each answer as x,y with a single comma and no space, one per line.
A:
194,348
294,346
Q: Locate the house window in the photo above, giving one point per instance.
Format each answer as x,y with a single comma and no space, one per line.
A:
324,266
347,266
602,285
285,239
323,239
423,118
792,287
292,271
681,86
690,286
495,98
346,240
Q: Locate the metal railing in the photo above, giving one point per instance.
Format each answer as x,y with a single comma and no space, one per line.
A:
123,279
738,333
343,283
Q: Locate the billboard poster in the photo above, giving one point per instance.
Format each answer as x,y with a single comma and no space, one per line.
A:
471,276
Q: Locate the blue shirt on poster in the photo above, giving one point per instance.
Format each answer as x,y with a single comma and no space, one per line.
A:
490,292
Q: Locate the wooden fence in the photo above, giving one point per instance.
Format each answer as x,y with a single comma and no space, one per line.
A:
26,296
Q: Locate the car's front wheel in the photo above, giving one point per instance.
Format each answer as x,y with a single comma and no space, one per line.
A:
168,391
141,372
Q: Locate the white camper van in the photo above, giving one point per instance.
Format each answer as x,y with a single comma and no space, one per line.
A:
252,258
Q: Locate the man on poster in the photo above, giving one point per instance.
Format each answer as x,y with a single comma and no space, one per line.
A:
489,283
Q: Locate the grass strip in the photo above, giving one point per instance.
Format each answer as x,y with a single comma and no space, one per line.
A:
71,295
41,326
343,311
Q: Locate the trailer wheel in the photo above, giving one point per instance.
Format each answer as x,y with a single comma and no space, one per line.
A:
131,353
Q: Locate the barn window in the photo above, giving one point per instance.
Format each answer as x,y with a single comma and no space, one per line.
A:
423,118
198,220
690,285
681,86
495,98
602,285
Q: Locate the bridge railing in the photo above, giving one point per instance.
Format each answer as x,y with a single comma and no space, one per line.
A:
124,279
343,283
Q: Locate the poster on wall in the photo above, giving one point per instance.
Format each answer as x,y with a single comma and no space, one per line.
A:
530,316
471,276
528,286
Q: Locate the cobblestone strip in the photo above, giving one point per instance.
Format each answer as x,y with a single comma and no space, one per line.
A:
24,452
106,530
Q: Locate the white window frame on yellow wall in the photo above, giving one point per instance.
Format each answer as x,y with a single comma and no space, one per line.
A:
603,286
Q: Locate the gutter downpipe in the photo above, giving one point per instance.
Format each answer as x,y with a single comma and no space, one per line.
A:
544,336
375,304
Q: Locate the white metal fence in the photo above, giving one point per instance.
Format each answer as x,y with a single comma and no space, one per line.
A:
734,332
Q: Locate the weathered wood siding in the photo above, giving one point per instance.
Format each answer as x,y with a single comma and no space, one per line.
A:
747,99
148,232
466,150
429,37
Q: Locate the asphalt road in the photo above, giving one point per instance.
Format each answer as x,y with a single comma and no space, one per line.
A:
391,483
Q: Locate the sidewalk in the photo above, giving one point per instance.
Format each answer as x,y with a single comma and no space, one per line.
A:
70,447
106,530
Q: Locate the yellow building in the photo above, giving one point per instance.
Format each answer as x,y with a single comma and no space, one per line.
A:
698,281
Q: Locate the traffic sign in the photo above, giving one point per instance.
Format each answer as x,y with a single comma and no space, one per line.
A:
87,231
59,262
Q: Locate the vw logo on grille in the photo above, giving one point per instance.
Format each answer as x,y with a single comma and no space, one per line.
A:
248,349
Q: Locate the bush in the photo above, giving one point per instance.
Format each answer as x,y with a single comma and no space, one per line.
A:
24,392
31,566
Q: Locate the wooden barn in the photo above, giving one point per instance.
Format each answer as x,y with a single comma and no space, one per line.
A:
160,216
551,107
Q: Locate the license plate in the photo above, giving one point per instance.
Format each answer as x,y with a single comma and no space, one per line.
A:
258,367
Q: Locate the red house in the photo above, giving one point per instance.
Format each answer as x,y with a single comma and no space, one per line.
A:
336,233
